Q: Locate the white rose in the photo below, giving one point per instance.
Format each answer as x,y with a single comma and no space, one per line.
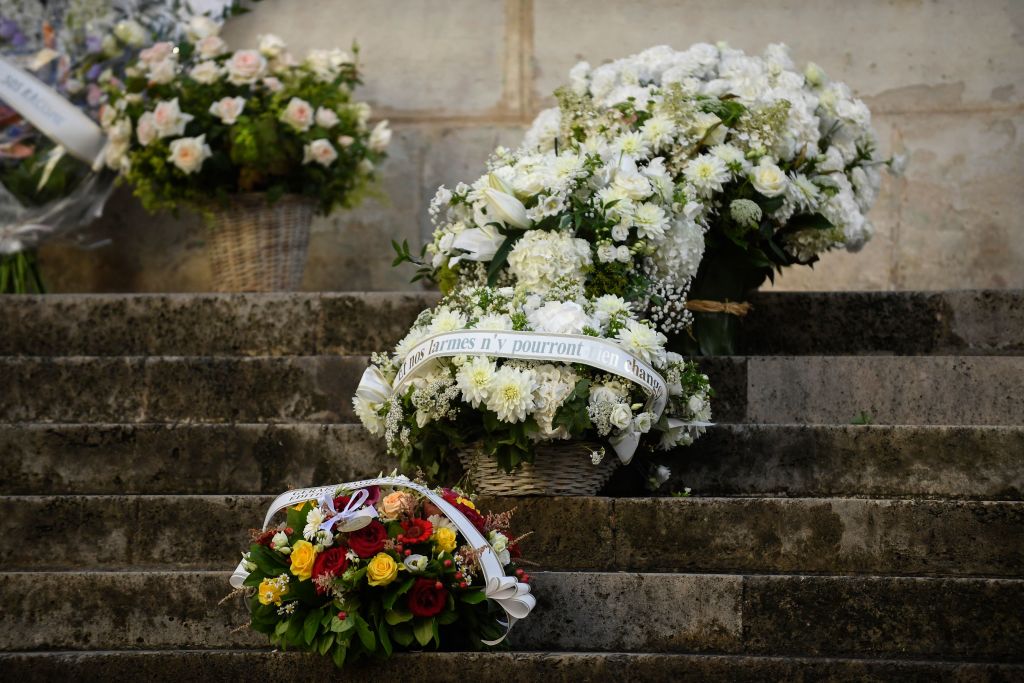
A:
556,317
169,119
498,541
298,114
603,393
245,67
642,422
345,141
380,137
273,84
620,232
621,416
157,52
188,154
271,45
326,118
200,27
145,129
695,404
130,32
211,46
207,72
606,253
622,253
416,564
228,109
321,151
115,155
164,71
280,540
768,179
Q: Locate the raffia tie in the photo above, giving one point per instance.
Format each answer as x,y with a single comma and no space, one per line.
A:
737,308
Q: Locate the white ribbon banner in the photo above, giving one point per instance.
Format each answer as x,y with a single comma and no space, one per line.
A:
511,595
540,346
45,109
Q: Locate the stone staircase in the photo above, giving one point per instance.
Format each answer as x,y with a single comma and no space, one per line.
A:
141,436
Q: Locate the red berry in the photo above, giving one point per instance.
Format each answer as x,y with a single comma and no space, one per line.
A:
438,585
447,564
342,615
458,576
519,573
408,552
462,585
288,531
526,578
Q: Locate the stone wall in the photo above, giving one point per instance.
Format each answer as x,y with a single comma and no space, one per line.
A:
944,78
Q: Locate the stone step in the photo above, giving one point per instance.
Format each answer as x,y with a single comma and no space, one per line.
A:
924,618
774,460
157,666
279,324
951,322
951,390
771,535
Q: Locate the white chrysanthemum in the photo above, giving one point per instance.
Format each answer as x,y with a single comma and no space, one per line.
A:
474,379
643,341
493,321
658,130
441,522
707,174
650,221
447,320
314,518
511,394
367,414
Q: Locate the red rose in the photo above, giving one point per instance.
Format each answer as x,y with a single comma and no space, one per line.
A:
416,531
331,562
369,540
472,515
426,599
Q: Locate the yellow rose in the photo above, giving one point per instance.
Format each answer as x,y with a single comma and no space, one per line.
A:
444,539
271,591
382,570
395,504
303,556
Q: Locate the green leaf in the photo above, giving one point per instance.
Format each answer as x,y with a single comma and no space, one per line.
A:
311,625
501,257
447,618
325,644
281,628
395,617
342,625
423,629
473,597
402,634
365,634
338,655
385,642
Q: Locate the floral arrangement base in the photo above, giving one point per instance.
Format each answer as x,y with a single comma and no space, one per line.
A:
556,470
256,246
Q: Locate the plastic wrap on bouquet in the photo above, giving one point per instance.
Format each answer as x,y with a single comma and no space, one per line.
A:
508,592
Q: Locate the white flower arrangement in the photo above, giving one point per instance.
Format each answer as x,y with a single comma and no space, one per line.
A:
509,405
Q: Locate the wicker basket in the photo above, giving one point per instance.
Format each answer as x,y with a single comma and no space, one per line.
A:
256,247
557,470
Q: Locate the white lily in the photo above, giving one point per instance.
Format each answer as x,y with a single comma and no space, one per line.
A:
506,208
481,244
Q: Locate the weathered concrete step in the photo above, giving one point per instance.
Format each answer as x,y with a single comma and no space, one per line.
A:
764,389
773,535
963,322
190,389
791,460
891,390
208,324
156,666
950,619
879,461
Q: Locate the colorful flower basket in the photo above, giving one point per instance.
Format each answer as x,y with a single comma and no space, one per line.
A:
371,567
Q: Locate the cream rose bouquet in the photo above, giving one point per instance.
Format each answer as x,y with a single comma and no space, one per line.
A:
366,571
539,385
195,122
775,165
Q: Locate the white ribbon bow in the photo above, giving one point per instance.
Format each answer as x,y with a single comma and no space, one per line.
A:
352,517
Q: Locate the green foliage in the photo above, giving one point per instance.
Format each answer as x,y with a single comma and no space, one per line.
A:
19,273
